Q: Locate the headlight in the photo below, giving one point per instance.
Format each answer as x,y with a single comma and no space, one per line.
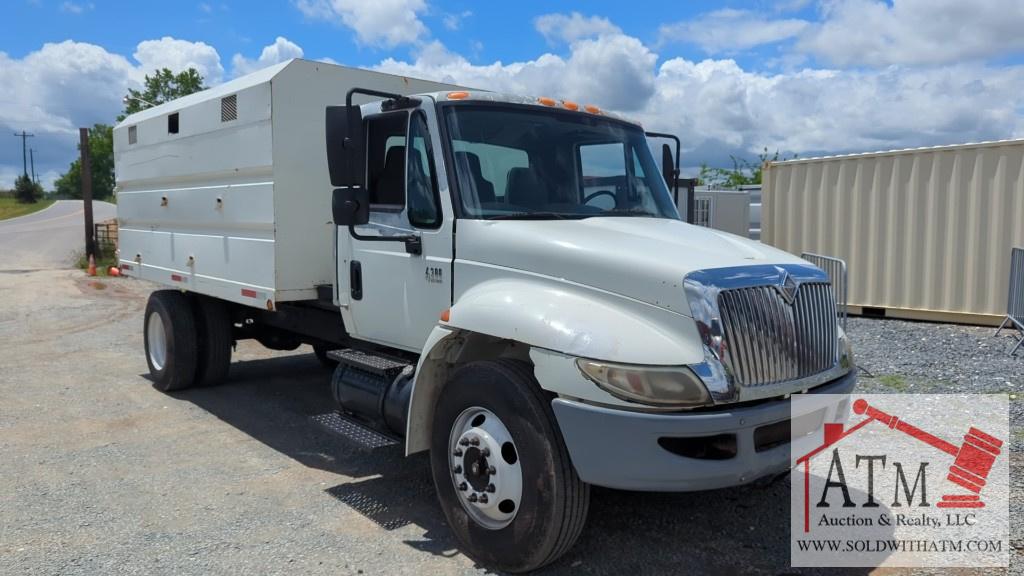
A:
653,385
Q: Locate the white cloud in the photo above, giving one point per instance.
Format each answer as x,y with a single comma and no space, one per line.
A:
281,50
54,90
571,27
178,55
718,108
377,22
76,8
611,71
731,30
929,32
454,21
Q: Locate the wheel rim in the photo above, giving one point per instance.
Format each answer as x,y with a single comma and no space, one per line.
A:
157,340
484,465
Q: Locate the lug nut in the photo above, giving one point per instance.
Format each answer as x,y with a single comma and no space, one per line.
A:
472,497
485,452
463,487
463,442
491,470
491,488
474,441
457,453
483,498
457,469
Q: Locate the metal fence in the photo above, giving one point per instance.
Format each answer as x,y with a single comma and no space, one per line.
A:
836,270
1015,300
106,236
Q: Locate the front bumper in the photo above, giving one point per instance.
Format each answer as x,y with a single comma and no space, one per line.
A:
621,449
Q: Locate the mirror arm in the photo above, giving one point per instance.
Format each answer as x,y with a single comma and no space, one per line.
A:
413,243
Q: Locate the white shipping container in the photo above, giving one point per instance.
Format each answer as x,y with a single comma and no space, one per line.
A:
926,232
245,214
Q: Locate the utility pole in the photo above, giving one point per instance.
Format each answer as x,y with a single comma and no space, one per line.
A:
24,155
32,160
86,178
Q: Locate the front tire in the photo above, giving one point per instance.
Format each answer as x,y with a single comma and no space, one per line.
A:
493,422
170,340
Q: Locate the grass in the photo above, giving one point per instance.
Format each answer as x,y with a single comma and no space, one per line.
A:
897,383
11,208
104,260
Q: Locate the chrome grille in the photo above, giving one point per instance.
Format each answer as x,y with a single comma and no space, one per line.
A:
769,340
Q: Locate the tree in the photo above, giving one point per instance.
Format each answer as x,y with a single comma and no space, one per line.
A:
162,86
101,161
743,171
26,190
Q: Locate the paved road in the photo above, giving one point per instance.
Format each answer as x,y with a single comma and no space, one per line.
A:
48,238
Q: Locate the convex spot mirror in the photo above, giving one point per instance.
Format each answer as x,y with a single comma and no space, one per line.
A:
350,206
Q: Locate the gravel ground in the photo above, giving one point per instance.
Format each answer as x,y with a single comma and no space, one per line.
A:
102,474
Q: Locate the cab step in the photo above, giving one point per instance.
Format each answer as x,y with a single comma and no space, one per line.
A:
354,431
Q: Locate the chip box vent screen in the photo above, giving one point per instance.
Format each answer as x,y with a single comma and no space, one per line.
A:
229,108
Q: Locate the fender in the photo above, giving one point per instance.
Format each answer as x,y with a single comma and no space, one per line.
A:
556,315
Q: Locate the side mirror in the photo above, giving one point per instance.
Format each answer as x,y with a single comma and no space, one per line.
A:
350,206
345,150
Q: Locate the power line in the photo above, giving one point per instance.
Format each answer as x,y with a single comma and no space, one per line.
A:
24,150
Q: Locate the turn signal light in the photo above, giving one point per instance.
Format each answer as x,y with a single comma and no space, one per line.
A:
446,314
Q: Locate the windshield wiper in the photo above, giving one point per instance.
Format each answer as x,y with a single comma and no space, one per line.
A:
535,216
624,212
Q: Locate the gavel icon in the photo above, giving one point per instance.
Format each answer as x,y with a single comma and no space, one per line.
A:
973,460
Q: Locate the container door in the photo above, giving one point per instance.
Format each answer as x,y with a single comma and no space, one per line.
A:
397,290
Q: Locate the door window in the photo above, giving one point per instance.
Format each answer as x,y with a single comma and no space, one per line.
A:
421,183
385,156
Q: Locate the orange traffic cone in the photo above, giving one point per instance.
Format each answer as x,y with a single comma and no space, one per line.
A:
92,266
114,271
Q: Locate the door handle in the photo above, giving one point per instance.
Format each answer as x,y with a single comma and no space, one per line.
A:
355,271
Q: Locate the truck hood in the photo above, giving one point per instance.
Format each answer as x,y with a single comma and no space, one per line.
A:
644,259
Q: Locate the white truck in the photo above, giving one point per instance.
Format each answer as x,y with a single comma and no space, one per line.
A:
503,281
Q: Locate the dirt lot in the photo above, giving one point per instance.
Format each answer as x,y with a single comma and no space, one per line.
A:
102,474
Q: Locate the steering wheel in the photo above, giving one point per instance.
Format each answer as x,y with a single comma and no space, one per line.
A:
593,195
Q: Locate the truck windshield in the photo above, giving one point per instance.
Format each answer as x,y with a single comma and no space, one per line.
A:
521,162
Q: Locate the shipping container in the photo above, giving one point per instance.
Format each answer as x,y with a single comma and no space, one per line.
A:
926,232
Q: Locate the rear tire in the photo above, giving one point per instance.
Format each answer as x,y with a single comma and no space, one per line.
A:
213,328
552,504
170,339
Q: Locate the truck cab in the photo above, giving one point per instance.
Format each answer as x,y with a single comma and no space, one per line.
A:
515,292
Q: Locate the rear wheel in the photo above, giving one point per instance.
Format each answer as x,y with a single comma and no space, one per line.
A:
501,469
213,328
170,340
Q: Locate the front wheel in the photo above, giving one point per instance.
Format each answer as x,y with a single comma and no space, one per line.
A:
501,470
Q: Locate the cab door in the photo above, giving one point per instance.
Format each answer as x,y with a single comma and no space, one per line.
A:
397,290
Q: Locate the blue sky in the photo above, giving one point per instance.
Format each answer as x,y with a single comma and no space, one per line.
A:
485,32
803,77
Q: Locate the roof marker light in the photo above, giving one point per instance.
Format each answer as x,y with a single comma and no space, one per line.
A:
546,101
592,109
458,95
570,105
